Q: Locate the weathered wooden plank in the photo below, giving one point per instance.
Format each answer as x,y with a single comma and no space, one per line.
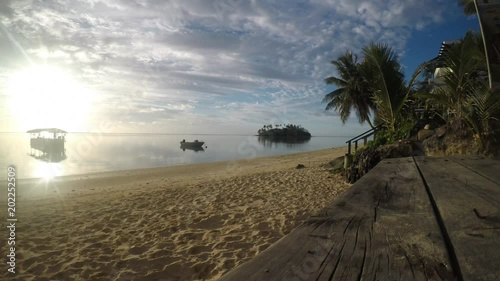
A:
489,168
383,228
469,207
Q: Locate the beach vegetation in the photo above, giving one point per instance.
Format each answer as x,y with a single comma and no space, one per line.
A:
374,86
284,131
448,106
469,7
482,115
352,93
464,95
465,66
389,91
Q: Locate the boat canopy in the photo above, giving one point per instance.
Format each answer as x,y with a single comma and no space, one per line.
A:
49,130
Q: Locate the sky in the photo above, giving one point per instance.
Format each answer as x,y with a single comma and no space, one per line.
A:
204,67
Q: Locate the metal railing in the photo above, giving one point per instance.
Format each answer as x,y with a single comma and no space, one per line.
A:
364,136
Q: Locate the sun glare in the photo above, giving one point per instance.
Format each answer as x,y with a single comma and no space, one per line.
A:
47,171
45,96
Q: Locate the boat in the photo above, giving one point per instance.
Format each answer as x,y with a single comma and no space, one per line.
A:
194,143
47,144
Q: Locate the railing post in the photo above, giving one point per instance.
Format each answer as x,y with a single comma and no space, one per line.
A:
347,160
363,136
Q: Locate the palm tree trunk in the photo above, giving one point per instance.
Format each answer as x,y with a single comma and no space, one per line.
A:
370,123
484,43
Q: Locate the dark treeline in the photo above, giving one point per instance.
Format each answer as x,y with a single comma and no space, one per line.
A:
288,131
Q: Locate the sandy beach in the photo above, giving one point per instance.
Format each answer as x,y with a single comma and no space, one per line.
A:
193,222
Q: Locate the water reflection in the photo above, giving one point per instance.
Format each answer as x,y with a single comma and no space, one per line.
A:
88,153
195,149
288,142
47,157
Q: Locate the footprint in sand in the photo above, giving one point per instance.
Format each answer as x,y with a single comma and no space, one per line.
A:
195,250
138,250
229,264
55,267
233,238
161,254
213,222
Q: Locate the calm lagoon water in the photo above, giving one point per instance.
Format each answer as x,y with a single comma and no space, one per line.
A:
87,153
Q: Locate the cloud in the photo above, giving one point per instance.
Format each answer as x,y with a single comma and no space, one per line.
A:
232,56
5,8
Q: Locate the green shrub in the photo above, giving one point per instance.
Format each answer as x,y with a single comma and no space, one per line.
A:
358,151
403,130
381,138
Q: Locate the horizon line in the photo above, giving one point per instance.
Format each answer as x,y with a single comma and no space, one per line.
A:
173,134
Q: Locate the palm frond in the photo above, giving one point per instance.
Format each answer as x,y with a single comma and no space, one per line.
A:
481,108
352,92
469,7
330,96
464,61
418,72
383,70
335,81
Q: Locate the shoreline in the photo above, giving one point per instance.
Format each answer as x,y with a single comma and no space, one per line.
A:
94,155
189,222
154,170
40,188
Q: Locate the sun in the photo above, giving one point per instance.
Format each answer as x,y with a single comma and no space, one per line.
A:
46,96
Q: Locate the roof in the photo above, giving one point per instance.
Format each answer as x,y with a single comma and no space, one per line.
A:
50,130
445,46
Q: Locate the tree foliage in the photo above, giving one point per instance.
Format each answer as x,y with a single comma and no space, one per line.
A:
464,64
464,93
469,7
284,131
374,85
352,90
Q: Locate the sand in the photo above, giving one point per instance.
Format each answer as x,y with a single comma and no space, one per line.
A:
193,222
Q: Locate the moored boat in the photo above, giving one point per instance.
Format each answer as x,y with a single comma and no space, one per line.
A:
48,144
194,143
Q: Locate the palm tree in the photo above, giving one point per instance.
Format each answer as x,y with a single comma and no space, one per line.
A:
464,63
464,94
352,92
382,70
481,110
487,34
426,85
469,7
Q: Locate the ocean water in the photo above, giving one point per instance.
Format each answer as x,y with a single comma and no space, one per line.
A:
88,153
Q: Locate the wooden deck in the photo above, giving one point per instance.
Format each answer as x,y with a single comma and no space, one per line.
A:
416,218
